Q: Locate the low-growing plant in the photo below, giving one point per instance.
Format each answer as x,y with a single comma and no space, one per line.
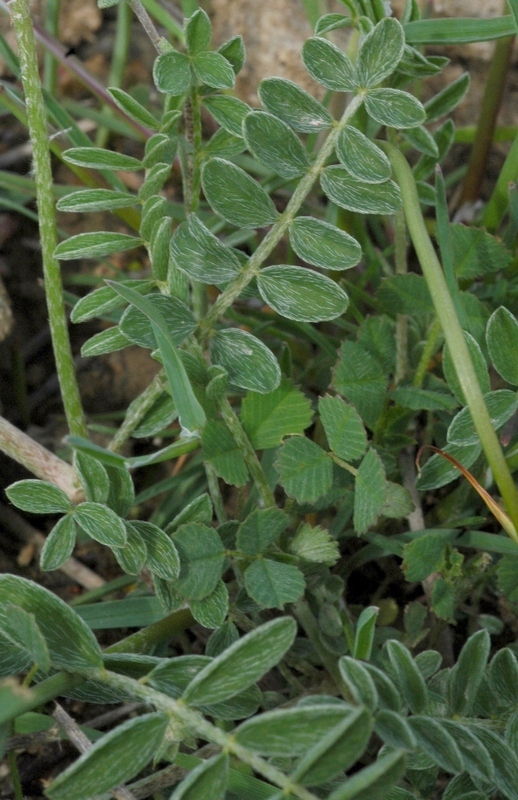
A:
298,397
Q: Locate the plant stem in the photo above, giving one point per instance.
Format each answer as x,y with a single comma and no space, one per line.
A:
162,631
147,23
453,333
278,230
236,429
400,255
215,493
434,332
15,775
137,409
38,460
22,23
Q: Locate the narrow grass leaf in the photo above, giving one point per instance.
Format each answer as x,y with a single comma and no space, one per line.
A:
370,492
289,102
243,663
273,584
95,200
208,781
235,196
370,782
301,294
344,428
361,157
116,757
479,364
274,143
458,30
394,108
305,470
249,363
324,245
101,524
409,679
99,158
38,497
59,544
202,557
355,195
380,52
95,245
329,65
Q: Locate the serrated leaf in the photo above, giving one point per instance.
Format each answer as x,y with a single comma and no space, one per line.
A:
96,245
228,111
370,781
476,252
475,758
171,73
213,69
249,363
301,294
202,557
295,106
337,751
359,682
394,108
198,32
324,245
359,377
370,491
116,757
273,584
71,644
305,470
131,557
108,341
99,158
427,399
467,674
380,52
436,742
502,343
95,200
424,555
479,363
361,157
212,611
243,663
355,195
328,65
273,143
290,731
38,497
504,760
407,675
501,406
59,544
138,328
235,196
344,428
260,529
101,523
405,294
208,781
221,450
20,628
267,419
315,544
444,102
133,108
162,556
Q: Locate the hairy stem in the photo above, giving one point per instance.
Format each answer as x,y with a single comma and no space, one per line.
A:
22,23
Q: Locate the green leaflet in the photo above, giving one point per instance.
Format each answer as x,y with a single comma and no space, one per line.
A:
99,158
116,757
444,102
273,142
504,761
359,682
20,628
292,104
235,196
301,294
344,428
394,730
95,245
243,663
438,471
39,497
370,781
133,108
228,111
361,157
260,529
161,554
213,69
273,584
95,200
208,781
171,73
370,492
249,363
466,676
269,418
394,108
405,294
212,611
59,544
137,327
108,341
355,195
198,32
324,245
221,450
380,52
104,300
202,557
406,673
501,406
436,742
101,523
234,51
201,255
477,253
328,65
132,556
359,377
305,470
502,343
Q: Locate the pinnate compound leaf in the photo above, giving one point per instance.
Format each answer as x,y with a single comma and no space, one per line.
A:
21,629
291,731
171,73
116,757
295,106
344,428
39,497
301,294
394,108
208,781
370,492
356,195
361,157
466,675
272,584
95,200
162,556
260,529
380,52
328,65
502,343
249,363
101,523
243,663
133,108
202,557
95,245
59,544
373,781
337,750
324,245
228,111
268,418
359,377
138,328
273,143
407,675
71,644
221,450
213,69
305,470
99,158
211,612
479,363
436,742
501,406
236,196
